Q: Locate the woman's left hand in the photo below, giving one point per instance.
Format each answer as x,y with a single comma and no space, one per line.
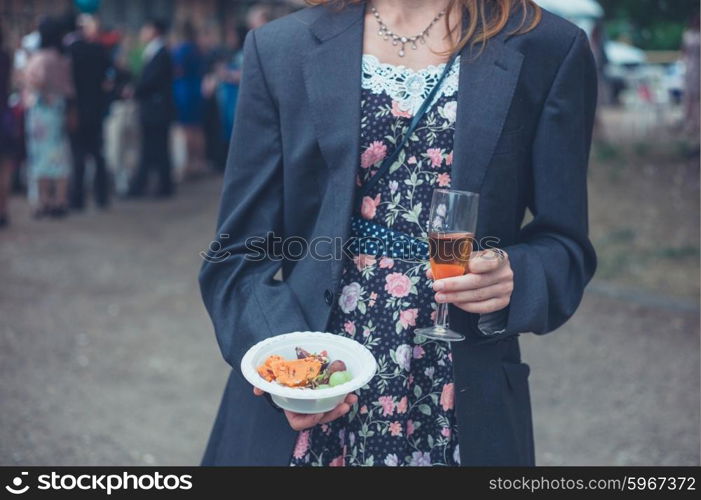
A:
484,289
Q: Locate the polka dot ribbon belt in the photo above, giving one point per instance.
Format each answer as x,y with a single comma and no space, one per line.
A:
374,239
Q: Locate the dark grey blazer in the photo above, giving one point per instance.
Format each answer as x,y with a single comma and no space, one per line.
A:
525,116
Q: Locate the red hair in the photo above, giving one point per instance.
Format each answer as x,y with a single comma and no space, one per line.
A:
486,18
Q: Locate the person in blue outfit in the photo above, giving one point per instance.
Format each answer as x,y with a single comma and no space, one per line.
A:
221,87
189,67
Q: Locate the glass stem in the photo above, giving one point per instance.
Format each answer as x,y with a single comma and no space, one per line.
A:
442,315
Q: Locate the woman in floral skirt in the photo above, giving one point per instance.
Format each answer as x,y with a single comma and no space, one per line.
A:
327,95
49,85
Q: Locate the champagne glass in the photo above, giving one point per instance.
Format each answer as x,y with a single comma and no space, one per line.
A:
451,233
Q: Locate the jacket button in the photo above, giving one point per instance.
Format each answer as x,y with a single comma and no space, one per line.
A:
328,297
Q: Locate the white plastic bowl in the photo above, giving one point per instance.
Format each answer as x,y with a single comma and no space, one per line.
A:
358,359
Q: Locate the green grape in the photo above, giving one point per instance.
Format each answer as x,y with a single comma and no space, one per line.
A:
323,386
348,375
337,378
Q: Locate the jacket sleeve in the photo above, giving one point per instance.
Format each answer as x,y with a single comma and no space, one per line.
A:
245,303
553,259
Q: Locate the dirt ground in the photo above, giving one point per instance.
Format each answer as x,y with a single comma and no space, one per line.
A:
107,356
644,206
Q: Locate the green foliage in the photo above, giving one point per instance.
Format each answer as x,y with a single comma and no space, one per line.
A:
650,24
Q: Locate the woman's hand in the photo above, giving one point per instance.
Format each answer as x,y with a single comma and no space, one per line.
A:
301,421
486,288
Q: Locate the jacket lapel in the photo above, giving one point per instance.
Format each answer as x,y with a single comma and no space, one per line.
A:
332,74
486,88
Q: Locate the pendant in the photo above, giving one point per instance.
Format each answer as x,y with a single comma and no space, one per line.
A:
386,34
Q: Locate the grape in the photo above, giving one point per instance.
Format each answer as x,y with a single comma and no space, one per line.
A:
323,386
337,378
348,375
337,366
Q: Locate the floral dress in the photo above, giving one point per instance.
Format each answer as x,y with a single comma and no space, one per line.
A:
405,414
48,153
48,84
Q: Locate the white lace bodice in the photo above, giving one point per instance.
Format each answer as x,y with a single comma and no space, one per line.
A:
407,86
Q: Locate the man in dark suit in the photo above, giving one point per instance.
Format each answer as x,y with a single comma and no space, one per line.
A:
90,63
154,92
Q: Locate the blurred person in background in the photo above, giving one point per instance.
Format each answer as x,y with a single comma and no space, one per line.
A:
49,86
691,51
230,76
213,51
189,66
258,15
90,62
122,123
8,132
29,44
220,88
154,94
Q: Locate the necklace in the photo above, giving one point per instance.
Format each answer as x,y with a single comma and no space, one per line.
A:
386,33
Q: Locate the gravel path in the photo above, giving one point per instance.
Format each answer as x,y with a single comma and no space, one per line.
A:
107,355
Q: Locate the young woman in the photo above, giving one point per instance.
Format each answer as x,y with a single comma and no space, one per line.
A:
326,94
189,66
49,85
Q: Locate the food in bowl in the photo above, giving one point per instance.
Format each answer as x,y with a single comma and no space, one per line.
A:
308,370
357,360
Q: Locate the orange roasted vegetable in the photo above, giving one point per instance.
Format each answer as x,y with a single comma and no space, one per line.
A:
292,373
267,370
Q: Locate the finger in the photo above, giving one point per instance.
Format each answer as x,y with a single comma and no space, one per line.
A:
301,421
466,282
487,261
485,306
339,411
258,392
457,283
500,289
429,274
491,254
